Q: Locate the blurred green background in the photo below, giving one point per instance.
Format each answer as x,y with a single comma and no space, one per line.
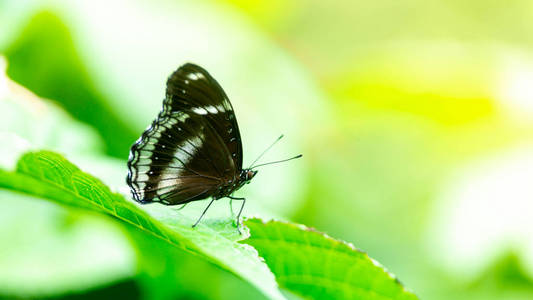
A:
414,118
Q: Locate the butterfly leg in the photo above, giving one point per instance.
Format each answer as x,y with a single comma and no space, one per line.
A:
182,207
240,210
212,200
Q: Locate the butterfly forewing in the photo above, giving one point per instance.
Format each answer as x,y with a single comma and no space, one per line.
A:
192,88
192,148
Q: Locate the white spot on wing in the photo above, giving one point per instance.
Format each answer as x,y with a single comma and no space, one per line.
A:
208,109
184,153
194,76
200,111
179,116
211,109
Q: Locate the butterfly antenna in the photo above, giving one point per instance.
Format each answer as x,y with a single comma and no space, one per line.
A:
278,161
268,148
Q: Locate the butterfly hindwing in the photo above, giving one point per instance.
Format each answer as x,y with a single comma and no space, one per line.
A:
160,167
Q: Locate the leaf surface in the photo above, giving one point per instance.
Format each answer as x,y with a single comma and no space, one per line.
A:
50,176
316,266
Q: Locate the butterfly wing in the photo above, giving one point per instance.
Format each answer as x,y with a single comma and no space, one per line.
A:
192,88
189,151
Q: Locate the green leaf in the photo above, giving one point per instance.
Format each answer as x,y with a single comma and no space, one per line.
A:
304,261
49,175
317,266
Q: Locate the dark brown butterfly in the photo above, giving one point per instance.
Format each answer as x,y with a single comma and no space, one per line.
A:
193,149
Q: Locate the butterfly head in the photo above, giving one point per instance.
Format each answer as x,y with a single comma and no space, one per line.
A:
247,175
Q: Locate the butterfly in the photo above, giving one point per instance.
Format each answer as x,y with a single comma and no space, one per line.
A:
193,149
